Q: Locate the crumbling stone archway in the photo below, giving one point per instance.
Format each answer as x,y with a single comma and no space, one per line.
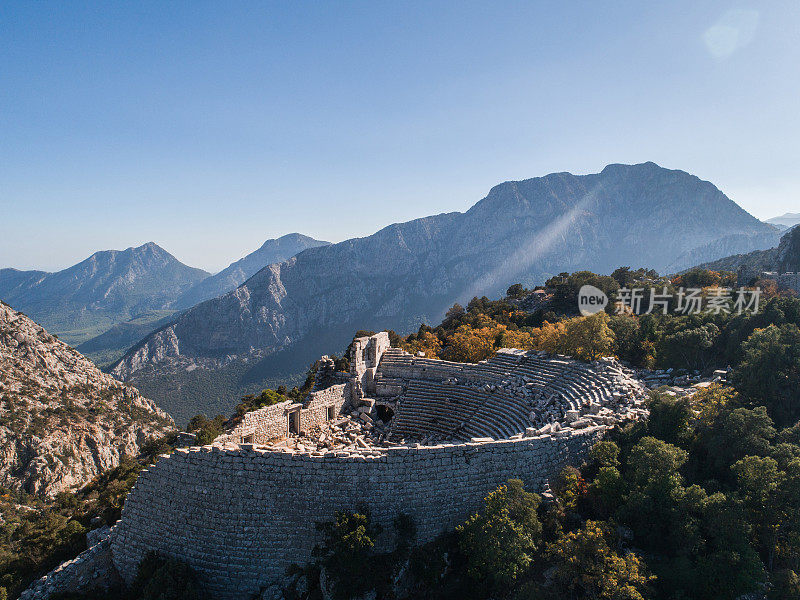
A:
385,413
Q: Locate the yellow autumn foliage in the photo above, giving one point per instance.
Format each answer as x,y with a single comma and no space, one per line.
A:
586,338
427,342
473,343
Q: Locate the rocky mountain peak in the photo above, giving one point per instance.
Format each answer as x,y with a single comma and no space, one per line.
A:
271,251
788,253
108,287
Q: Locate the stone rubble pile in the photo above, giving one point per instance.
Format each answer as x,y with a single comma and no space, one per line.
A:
357,430
682,379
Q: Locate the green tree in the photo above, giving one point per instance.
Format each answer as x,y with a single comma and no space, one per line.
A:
769,373
160,578
516,291
607,487
605,453
569,487
725,564
759,482
669,419
733,435
631,344
690,348
500,541
565,288
655,504
771,498
347,547
588,567
206,429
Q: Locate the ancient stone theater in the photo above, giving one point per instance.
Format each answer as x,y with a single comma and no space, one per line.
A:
398,433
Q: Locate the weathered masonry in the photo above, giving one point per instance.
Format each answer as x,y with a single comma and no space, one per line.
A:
241,516
398,433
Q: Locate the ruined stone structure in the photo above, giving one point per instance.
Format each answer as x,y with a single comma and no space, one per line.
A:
785,281
398,433
365,356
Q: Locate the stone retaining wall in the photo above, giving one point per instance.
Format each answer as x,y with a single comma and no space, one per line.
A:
91,569
240,516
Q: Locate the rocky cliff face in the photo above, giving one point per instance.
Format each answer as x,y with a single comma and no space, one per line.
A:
235,274
107,288
523,231
62,421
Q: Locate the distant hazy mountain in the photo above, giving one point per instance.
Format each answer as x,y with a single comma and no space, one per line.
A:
523,231
272,251
785,221
783,258
107,288
736,243
12,278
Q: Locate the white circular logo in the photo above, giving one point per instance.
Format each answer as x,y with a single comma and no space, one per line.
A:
591,300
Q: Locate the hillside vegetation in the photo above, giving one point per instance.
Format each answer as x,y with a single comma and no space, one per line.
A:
67,435
62,421
785,257
36,534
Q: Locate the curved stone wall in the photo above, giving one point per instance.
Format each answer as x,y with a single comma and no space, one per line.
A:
240,515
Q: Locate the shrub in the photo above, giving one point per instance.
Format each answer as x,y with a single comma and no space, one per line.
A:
160,578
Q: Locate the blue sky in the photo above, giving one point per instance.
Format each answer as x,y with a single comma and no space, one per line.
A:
210,127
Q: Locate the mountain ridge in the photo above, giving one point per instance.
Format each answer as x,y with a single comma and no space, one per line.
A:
271,251
108,287
785,257
785,221
409,273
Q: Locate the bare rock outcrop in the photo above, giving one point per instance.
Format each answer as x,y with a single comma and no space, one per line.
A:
62,420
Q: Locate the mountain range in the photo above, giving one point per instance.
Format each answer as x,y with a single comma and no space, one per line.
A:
109,287
235,274
785,221
410,273
114,298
